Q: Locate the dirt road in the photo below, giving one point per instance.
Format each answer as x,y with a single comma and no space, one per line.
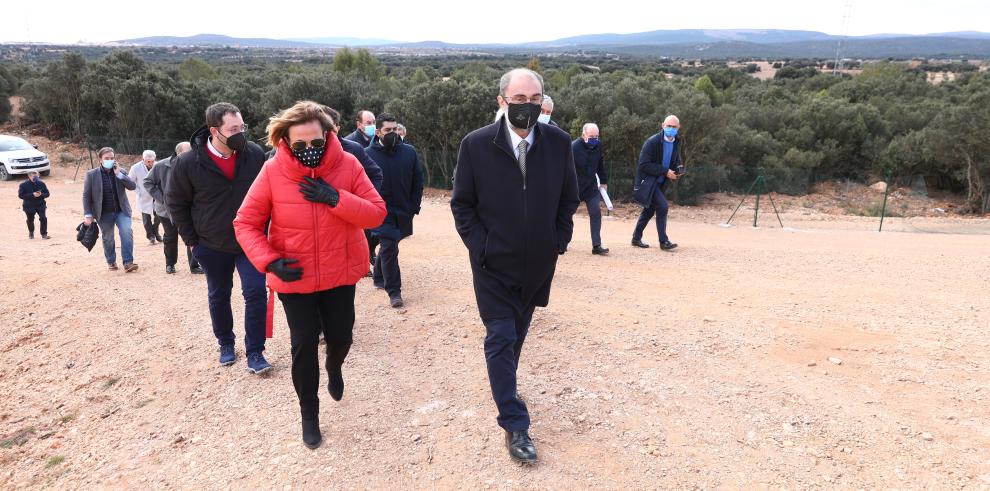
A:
709,367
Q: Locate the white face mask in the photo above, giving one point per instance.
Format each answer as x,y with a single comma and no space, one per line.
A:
543,118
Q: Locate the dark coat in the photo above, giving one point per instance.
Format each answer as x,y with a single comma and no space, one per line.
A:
358,136
650,172
370,167
514,230
202,201
87,235
402,188
93,192
587,163
26,192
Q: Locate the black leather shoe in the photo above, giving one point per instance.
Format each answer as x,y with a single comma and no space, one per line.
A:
520,446
311,433
169,269
197,270
396,300
668,246
336,385
599,250
640,244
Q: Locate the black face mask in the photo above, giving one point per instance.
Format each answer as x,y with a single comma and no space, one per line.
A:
236,142
523,116
310,157
391,140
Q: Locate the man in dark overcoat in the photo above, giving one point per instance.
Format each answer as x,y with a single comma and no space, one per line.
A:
515,193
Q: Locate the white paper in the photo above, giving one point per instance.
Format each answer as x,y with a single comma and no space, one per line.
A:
608,202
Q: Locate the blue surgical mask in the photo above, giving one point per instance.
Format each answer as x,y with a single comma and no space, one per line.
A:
543,118
593,142
108,164
36,179
670,132
369,130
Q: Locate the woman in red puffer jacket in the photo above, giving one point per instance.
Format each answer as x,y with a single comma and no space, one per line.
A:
319,201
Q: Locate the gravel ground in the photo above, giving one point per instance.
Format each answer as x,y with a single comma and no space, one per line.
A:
819,355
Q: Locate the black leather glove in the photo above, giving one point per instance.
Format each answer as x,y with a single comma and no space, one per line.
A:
280,268
318,191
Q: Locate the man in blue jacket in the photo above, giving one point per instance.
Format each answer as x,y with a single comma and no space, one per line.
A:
589,164
657,161
33,193
402,190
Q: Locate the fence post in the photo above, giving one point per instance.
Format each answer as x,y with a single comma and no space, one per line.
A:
886,192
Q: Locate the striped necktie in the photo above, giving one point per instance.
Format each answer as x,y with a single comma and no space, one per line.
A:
522,157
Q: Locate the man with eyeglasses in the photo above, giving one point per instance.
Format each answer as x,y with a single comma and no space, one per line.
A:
402,190
205,188
515,193
659,164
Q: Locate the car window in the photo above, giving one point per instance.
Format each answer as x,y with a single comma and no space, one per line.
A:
7,145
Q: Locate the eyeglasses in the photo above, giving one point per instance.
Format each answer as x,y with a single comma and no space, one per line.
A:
522,99
300,145
237,129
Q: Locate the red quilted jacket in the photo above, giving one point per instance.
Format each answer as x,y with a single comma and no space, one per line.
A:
328,242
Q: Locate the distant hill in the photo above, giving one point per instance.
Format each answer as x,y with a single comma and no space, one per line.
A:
682,43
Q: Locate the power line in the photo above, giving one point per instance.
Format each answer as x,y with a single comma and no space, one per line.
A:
843,34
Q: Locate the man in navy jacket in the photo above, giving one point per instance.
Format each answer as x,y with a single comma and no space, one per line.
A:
657,163
590,166
33,193
514,198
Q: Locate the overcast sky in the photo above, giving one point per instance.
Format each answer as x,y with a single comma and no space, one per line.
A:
464,21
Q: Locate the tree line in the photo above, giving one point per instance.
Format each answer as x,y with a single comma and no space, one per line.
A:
799,128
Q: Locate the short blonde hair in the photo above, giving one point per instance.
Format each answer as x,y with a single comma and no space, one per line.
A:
301,112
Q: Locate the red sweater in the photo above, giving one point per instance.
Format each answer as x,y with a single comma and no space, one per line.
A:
226,165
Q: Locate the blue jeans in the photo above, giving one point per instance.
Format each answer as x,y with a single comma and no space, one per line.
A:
123,223
219,268
659,207
503,345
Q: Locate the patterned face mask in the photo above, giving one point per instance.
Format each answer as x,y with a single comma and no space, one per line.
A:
309,157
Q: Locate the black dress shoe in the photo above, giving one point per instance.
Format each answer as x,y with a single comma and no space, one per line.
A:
311,433
520,446
169,269
197,270
640,244
599,250
668,245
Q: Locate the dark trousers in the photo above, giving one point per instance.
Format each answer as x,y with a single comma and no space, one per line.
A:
170,238
659,207
219,268
372,245
330,312
151,225
42,220
594,204
503,345
387,266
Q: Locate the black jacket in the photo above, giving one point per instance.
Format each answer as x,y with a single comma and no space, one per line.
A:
360,138
650,172
402,188
26,192
200,198
587,163
513,229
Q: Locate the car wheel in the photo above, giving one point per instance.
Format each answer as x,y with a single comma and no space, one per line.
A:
4,175
45,173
